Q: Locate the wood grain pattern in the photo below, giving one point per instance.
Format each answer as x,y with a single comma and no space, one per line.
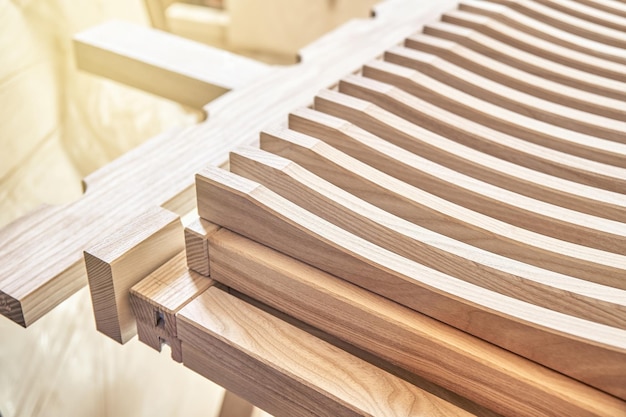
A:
528,62
301,375
567,22
252,210
537,46
500,380
196,247
549,33
609,6
495,93
179,69
509,75
553,291
37,274
407,105
481,197
458,157
419,207
123,259
592,14
157,298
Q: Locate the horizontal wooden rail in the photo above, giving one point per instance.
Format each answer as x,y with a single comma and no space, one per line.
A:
179,69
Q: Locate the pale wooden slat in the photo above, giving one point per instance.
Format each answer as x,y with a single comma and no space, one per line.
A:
591,14
123,259
252,210
560,114
37,274
539,29
157,298
609,6
505,276
567,22
575,196
474,84
163,64
528,62
479,196
429,211
511,76
422,88
225,339
480,371
537,46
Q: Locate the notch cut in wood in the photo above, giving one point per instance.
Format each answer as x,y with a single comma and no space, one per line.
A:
156,299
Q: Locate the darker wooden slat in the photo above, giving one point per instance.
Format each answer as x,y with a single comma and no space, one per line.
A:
480,371
296,374
252,210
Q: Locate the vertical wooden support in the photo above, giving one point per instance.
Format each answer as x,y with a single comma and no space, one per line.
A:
127,256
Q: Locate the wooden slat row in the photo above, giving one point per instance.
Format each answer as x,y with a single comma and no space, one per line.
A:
443,232
475,175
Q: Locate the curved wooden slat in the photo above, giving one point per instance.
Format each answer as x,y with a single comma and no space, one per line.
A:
591,14
557,292
415,84
476,164
439,120
536,46
427,210
567,22
541,30
480,196
528,62
38,273
252,210
609,6
499,379
503,96
511,76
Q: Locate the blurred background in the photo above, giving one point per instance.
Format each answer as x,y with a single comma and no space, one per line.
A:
57,125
